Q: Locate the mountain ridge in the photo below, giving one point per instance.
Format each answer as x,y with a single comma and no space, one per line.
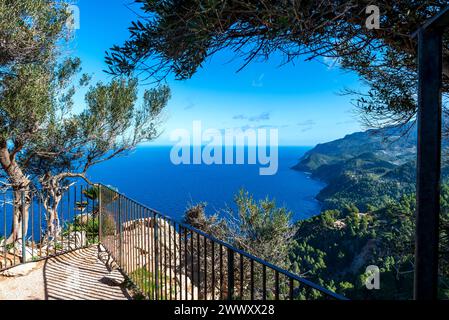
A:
365,168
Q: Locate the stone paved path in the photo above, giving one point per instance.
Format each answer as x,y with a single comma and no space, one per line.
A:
74,276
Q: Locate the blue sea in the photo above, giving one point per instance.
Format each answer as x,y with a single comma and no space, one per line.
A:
148,176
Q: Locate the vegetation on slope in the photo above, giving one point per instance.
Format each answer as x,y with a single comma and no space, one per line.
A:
368,219
334,248
365,168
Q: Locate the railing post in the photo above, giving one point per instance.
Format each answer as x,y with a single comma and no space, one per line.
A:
428,164
230,274
156,258
120,226
100,213
24,253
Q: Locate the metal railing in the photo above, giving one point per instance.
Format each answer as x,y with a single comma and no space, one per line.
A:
75,226
165,259
169,260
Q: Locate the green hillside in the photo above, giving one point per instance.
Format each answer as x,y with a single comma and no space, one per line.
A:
364,168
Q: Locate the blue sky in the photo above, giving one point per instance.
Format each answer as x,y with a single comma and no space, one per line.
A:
301,100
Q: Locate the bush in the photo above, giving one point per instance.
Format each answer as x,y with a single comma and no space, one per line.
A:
257,227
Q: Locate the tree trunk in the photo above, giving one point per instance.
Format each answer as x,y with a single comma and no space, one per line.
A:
51,202
20,184
18,217
54,191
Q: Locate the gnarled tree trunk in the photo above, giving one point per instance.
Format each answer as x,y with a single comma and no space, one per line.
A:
52,197
20,215
51,203
21,186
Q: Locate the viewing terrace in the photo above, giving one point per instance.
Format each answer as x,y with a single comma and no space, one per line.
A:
109,247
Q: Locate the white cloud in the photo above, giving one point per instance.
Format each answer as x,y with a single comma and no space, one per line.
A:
258,83
257,118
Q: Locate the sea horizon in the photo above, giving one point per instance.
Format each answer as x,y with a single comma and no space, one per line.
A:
172,188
